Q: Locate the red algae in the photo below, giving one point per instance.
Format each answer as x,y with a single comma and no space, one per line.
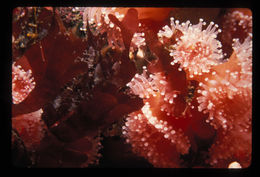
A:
176,87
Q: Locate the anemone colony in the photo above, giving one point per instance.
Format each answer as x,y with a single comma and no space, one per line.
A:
176,86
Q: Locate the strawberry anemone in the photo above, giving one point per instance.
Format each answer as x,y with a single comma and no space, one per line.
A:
194,98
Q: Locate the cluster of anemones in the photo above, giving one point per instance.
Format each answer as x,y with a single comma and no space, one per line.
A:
187,95
223,94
